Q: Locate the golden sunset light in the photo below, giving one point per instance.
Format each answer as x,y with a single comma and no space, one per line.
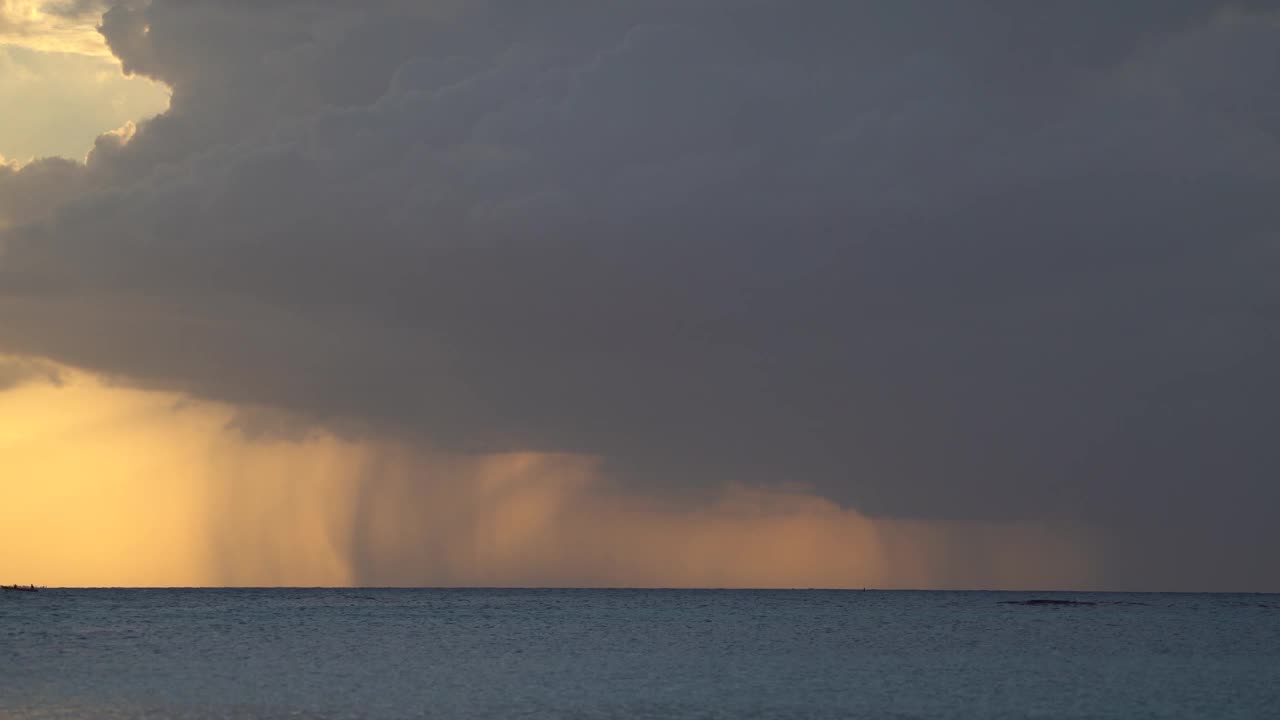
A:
112,486
60,86
53,27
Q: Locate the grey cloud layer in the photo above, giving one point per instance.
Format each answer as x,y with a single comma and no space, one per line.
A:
986,261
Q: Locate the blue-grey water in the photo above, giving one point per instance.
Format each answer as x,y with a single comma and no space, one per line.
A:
259,654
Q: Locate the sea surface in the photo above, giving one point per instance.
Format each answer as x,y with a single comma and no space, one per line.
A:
263,654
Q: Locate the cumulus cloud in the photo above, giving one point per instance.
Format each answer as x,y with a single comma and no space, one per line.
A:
982,262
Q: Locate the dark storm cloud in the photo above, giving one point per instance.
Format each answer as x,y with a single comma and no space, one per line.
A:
983,261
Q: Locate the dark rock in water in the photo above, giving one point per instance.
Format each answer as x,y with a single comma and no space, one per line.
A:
1037,602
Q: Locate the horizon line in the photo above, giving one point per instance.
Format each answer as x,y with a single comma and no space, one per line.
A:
641,588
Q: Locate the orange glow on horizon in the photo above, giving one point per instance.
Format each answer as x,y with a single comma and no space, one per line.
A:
104,485
80,498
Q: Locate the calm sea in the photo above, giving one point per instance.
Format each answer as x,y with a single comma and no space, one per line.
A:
258,654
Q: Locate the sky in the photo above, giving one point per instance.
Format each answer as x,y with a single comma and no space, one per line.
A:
60,87
640,293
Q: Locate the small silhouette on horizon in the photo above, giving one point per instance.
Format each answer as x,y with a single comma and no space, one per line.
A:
19,588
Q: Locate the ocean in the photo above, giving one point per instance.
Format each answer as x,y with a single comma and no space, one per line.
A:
669,654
